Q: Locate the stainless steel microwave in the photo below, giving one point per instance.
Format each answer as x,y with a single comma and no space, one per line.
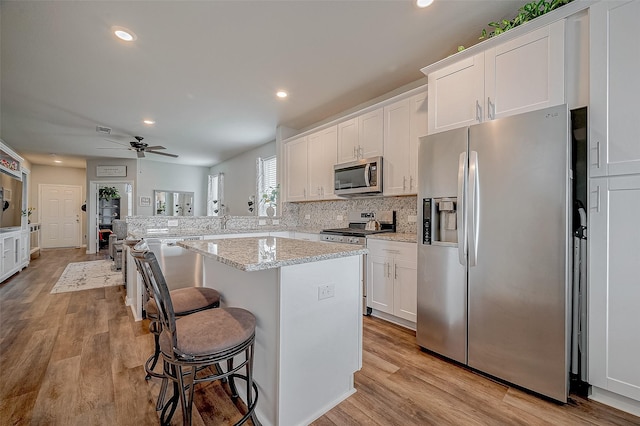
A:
361,177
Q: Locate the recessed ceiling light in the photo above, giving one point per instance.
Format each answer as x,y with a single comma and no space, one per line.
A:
423,3
149,122
281,94
124,33
57,161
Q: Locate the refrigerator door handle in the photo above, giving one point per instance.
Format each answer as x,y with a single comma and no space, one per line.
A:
462,227
473,208
367,175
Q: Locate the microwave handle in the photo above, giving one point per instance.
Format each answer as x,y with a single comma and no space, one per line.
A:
367,174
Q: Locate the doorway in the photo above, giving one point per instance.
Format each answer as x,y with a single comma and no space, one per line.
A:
60,215
95,216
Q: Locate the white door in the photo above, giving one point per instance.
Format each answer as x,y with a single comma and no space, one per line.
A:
397,151
296,169
60,206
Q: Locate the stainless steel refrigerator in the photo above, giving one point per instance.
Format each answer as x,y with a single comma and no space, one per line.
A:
494,247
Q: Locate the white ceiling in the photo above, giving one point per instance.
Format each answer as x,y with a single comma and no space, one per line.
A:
207,71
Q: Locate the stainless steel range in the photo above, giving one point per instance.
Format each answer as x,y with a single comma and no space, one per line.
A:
362,224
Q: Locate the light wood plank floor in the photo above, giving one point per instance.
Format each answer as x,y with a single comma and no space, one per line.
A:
77,359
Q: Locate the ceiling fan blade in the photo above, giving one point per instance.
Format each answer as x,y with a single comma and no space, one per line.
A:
140,154
123,148
116,142
163,153
149,148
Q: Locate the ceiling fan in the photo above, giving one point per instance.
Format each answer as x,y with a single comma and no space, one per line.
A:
141,147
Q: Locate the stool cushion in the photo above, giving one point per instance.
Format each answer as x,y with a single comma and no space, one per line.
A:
187,300
211,331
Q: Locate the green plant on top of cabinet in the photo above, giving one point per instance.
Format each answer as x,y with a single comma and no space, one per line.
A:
520,75
361,137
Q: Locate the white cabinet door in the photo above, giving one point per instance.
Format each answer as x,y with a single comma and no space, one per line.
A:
614,89
397,135
456,95
418,129
348,140
361,137
526,73
405,121
295,171
322,154
405,288
614,286
379,283
371,134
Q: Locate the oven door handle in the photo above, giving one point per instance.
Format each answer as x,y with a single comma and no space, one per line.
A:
367,175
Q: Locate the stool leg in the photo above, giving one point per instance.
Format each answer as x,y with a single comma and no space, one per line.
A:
250,395
232,382
186,383
170,407
163,389
154,328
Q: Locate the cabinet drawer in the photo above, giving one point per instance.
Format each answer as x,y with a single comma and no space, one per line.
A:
402,250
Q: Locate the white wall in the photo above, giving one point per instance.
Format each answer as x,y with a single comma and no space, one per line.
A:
240,178
154,175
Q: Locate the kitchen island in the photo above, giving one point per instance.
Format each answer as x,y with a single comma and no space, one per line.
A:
307,299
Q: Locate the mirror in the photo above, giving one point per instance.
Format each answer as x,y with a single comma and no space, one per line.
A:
173,203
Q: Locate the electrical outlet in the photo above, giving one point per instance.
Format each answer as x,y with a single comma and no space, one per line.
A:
262,222
173,222
275,222
307,216
326,291
339,217
412,218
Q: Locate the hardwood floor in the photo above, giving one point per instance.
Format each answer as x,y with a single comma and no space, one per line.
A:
77,359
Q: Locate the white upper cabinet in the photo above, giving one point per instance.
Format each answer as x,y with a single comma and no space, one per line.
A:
295,170
360,137
614,89
321,159
526,73
456,94
523,74
308,166
405,121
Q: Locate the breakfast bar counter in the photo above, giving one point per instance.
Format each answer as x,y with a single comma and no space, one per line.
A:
307,299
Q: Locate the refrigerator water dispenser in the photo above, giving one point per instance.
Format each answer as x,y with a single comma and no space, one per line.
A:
439,220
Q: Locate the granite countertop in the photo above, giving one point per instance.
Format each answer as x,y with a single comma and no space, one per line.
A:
256,254
182,232
393,236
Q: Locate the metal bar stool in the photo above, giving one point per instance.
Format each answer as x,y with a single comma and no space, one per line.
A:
185,301
197,341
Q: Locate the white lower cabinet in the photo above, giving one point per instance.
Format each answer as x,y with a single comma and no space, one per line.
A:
392,278
614,287
14,247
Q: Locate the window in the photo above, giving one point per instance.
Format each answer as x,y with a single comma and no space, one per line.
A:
215,195
267,176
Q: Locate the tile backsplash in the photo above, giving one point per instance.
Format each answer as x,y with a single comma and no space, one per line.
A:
324,214
314,215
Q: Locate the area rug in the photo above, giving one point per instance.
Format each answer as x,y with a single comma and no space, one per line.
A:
87,275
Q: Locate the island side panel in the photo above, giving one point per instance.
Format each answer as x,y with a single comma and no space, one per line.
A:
320,338
258,292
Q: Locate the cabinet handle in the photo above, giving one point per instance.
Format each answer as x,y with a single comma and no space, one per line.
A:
594,203
404,183
304,192
354,152
410,183
491,109
360,151
395,271
596,148
478,111
388,269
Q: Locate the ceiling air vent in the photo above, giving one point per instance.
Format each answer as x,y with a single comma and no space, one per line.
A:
102,129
